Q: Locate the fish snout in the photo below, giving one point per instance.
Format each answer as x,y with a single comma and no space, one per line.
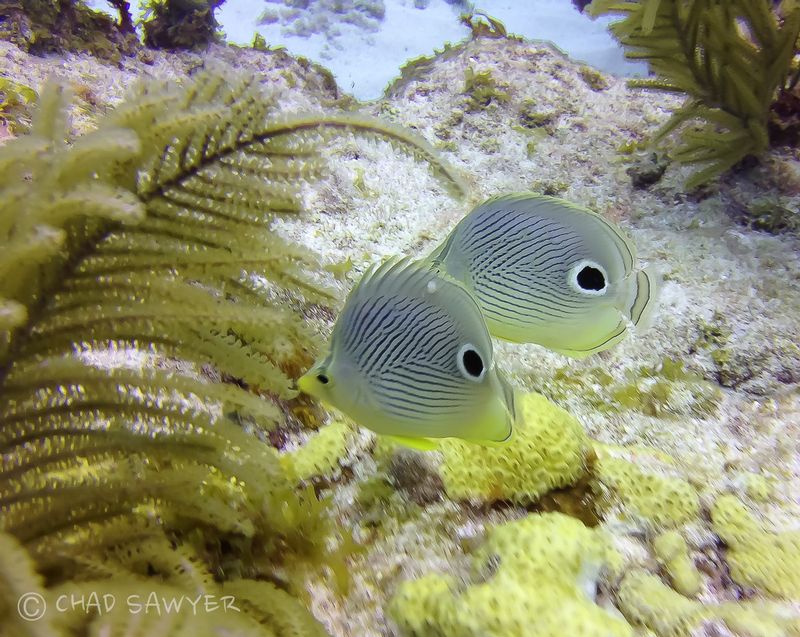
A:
305,383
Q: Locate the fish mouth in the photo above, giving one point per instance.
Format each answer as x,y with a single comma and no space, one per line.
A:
305,383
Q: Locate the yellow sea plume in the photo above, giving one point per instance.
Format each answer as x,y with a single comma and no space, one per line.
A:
548,566
548,451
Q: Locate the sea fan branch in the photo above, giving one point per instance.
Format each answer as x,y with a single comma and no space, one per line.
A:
138,269
730,58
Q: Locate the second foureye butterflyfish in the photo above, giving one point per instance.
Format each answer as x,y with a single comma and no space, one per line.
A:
546,271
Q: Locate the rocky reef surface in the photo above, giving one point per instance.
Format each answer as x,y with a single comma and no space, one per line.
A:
675,455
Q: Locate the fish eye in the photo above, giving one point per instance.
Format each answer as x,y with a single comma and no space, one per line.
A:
322,378
588,277
470,363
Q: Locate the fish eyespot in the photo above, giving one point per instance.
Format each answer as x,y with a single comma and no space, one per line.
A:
588,277
470,363
322,378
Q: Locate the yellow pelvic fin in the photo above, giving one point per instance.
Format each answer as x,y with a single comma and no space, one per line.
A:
574,353
420,444
490,443
609,340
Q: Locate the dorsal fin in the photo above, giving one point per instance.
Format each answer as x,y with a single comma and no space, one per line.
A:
411,277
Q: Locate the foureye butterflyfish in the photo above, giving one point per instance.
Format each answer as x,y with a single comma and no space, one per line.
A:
410,357
546,271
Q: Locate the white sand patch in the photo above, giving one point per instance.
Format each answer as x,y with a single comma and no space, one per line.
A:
365,52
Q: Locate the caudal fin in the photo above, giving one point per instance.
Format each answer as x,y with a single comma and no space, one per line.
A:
645,298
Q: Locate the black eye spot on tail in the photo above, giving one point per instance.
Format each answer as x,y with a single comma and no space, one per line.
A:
322,378
590,278
473,363
470,363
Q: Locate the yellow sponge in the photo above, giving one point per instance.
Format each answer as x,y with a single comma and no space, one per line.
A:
547,569
758,487
645,600
757,557
547,452
672,552
320,456
661,500
423,605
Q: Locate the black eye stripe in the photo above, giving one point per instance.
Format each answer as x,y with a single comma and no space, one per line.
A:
590,278
473,362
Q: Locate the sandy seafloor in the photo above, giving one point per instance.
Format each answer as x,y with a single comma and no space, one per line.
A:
378,202
344,34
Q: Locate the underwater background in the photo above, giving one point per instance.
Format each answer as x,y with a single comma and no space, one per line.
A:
181,220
